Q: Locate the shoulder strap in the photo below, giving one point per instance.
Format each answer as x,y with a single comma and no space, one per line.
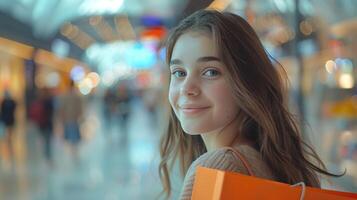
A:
239,156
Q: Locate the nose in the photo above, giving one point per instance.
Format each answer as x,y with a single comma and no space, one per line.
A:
190,87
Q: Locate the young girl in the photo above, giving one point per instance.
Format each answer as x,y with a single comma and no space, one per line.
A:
228,109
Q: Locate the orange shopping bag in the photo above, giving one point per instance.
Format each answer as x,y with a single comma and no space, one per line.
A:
212,184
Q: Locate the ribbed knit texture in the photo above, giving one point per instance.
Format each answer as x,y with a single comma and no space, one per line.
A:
225,159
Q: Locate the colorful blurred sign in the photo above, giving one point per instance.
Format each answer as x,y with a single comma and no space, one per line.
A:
346,108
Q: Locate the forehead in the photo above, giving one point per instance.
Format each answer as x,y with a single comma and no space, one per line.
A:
192,45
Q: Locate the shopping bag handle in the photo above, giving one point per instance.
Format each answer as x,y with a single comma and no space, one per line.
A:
250,172
303,189
241,158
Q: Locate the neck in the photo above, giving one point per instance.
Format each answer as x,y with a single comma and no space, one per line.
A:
228,136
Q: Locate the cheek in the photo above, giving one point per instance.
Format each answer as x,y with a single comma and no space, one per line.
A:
173,95
221,92
223,99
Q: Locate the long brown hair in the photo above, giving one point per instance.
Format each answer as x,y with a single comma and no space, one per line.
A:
259,89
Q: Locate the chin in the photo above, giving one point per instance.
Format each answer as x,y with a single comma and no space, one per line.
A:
195,130
192,133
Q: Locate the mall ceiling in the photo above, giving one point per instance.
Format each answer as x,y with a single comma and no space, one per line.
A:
38,22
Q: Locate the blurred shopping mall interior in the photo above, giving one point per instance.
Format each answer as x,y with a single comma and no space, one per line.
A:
114,54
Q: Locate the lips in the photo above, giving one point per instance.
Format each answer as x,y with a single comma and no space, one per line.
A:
192,109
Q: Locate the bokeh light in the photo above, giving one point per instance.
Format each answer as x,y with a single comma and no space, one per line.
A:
77,73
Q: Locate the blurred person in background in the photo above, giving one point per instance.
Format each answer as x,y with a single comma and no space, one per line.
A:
7,112
151,98
109,110
228,108
70,110
123,110
41,113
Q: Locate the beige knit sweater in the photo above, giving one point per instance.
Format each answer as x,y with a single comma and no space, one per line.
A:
225,159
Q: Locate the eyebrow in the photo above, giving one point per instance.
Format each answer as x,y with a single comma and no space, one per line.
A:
201,59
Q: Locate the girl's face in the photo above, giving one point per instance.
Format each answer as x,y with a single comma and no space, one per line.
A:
199,92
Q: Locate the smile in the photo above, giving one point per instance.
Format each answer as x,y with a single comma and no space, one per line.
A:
193,110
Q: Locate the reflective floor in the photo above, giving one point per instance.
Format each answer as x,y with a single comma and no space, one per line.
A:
108,165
